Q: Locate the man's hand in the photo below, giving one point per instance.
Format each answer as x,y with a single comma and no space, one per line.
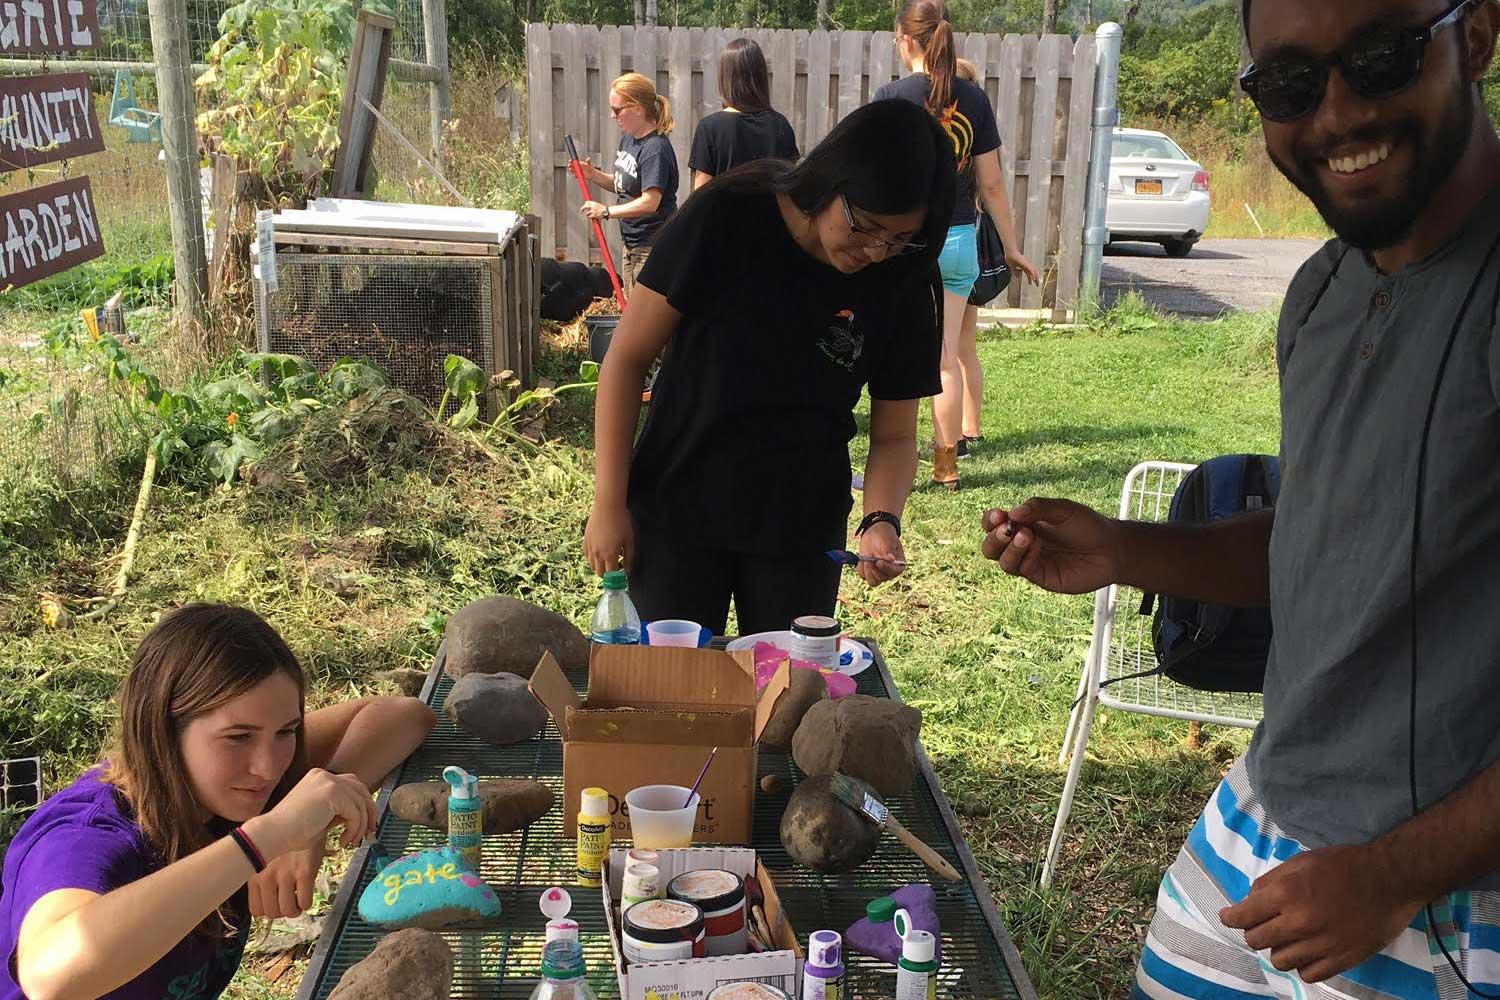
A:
1058,545
1323,912
285,888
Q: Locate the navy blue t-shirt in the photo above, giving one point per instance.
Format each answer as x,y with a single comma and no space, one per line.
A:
640,165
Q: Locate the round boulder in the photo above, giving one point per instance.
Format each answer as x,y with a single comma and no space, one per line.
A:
822,833
498,708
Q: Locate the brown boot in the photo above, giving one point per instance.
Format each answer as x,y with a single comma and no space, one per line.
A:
945,466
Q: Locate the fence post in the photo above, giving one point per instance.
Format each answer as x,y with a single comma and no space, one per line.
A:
435,35
1106,117
174,85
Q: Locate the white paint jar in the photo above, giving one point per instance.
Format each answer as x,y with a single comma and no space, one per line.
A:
663,930
721,896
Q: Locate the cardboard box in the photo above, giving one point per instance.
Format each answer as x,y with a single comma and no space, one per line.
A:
651,717
695,978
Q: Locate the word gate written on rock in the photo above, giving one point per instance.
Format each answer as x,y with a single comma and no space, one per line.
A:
48,25
46,230
46,118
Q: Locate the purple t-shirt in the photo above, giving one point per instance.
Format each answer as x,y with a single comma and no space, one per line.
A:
83,837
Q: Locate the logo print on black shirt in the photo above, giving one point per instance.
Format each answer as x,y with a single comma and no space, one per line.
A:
961,131
842,343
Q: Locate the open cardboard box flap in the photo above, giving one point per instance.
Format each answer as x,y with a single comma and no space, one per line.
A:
648,679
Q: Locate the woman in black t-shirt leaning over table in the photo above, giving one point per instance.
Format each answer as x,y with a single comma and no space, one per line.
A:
784,290
748,128
645,174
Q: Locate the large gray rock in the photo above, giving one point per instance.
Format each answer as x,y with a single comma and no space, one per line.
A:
498,708
822,833
503,635
509,803
807,689
410,964
874,739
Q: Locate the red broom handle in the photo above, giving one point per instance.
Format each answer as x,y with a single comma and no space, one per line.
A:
576,166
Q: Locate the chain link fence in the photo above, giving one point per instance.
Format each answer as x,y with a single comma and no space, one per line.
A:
58,420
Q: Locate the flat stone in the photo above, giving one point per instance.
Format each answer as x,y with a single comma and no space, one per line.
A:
410,964
509,803
503,635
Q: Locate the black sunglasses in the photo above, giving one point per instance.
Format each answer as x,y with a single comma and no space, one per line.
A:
1380,63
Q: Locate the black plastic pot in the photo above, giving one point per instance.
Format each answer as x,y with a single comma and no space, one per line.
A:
601,329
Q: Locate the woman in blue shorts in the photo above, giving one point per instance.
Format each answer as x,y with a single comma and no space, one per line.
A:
924,38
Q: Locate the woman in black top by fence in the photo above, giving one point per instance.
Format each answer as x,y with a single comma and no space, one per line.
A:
748,128
784,291
645,177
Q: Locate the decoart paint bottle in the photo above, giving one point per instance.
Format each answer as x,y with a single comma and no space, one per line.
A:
823,973
465,814
593,836
916,972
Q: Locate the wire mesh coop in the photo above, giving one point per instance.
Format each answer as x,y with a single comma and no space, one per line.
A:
397,301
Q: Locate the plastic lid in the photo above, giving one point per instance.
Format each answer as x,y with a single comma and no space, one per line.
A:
595,802
562,960
816,626
880,911
615,580
917,946
823,949
463,784
556,903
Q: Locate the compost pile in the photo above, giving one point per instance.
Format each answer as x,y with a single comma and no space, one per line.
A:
381,433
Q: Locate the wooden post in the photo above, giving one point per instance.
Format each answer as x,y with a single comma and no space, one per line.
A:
440,99
174,86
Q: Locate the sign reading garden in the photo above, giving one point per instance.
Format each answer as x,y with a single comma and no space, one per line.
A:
47,229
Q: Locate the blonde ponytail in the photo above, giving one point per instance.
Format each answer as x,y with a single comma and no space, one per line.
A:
641,92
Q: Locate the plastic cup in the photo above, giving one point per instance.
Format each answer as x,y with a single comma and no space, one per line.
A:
658,818
674,632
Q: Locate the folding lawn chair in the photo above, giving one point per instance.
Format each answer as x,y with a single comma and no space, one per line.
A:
1121,646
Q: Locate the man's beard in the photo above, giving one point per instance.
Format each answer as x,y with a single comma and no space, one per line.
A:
1379,225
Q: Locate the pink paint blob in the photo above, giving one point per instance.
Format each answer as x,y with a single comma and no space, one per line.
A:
470,881
768,658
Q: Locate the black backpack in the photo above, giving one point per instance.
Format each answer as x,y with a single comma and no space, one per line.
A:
1213,647
994,273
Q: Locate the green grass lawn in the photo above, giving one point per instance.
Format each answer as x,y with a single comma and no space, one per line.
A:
991,662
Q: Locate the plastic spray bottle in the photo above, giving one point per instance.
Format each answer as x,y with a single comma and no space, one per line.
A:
916,972
465,814
823,973
593,836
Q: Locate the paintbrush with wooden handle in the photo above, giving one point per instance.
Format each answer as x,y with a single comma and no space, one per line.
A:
852,794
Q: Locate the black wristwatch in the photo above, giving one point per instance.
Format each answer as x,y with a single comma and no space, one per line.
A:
878,517
606,211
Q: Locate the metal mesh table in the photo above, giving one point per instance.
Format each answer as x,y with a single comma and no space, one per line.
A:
498,963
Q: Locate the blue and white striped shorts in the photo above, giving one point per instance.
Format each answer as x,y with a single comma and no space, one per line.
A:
1189,953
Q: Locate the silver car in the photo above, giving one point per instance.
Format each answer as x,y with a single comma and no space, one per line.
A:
1156,193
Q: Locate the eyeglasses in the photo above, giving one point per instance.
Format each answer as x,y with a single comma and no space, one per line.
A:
616,111
1380,63
870,240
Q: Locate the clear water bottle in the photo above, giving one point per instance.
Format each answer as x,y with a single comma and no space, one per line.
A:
616,622
563,974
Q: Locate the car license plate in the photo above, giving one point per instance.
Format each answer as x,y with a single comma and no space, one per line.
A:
1148,187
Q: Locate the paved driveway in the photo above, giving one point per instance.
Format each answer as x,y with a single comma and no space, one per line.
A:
1219,275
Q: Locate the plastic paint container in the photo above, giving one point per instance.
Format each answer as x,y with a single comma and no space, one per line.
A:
641,882
747,991
815,639
663,930
721,897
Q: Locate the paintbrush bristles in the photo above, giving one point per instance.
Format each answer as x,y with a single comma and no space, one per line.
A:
852,794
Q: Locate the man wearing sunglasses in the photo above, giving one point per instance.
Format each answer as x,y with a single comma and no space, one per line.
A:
1354,852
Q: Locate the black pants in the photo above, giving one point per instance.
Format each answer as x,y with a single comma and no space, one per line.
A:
670,579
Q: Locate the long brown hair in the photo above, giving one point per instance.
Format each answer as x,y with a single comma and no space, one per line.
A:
196,659
926,22
641,92
744,80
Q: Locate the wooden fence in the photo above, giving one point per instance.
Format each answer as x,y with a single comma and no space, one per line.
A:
1042,89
